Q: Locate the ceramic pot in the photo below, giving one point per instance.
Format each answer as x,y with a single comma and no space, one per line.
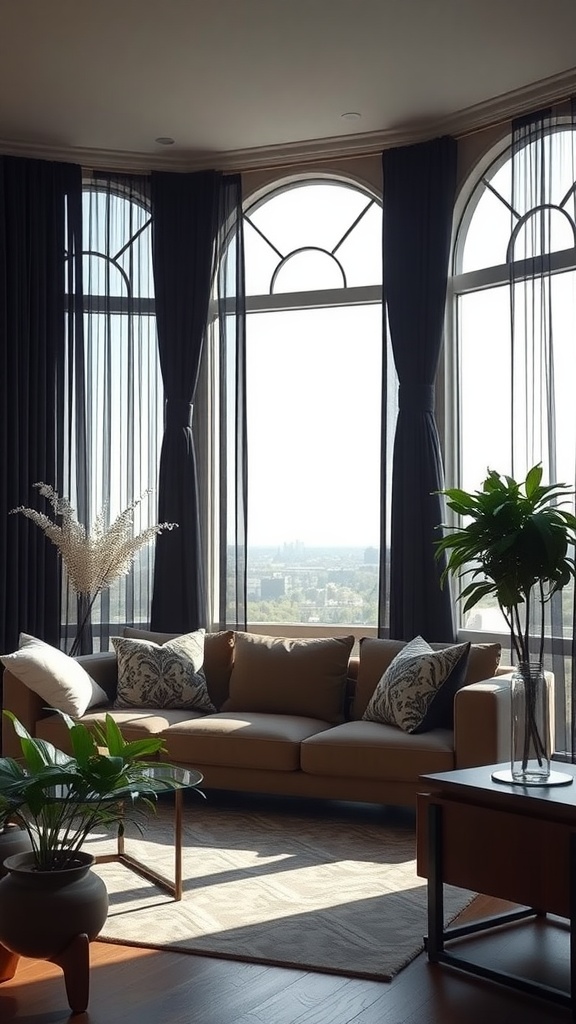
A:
42,911
13,839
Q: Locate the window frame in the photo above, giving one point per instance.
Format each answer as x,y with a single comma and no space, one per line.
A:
463,283
128,304
272,302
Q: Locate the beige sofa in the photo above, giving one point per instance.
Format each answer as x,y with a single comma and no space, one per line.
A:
293,737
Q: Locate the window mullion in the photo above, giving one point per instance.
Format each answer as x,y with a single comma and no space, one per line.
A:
488,277
284,302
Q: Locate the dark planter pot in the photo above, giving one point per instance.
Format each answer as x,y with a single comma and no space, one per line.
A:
41,912
13,839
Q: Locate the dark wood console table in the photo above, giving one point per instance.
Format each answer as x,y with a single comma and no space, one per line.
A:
512,842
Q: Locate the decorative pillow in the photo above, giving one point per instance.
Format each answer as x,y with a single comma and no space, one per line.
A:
290,676
54,676
218,658
417,689
377,653
166,675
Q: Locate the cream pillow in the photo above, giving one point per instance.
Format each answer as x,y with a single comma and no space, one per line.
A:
416,692
58,679
168,675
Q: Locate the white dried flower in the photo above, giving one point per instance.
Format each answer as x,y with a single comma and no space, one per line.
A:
92,559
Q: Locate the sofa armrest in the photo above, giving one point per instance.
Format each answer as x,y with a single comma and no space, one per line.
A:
29,708
26,705
482,722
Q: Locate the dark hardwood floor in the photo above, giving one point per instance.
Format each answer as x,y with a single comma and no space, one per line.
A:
139,986
131,985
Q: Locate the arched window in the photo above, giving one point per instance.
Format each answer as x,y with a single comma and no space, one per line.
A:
117,394
313,251
513,358
499,240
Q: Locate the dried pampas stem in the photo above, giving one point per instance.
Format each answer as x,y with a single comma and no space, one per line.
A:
93,559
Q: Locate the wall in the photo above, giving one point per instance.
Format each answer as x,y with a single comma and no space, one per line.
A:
365,170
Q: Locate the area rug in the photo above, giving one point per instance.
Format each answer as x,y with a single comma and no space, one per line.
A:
332,892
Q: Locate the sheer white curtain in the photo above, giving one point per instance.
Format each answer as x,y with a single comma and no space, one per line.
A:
541,258
116,396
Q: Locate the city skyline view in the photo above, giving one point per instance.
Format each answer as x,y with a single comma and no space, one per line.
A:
324,585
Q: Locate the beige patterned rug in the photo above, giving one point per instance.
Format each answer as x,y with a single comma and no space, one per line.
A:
297,885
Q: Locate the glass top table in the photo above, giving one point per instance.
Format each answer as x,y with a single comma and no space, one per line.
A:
165,779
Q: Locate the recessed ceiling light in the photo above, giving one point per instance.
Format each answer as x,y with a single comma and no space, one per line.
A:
164,140
352,115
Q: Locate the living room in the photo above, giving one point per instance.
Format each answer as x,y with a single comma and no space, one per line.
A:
297,110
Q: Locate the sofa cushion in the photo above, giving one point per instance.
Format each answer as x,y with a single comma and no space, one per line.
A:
134,725
218,657
59,680
369,750
290,676
166,675
416,692
376,655
241,740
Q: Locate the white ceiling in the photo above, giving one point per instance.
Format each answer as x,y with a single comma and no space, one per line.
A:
238,82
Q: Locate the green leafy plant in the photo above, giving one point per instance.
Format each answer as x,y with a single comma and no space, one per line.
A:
516,546
59,799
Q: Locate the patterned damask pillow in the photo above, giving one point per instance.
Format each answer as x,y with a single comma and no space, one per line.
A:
417,689
166,675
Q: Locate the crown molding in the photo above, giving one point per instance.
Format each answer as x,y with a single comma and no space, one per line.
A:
490,113
503,108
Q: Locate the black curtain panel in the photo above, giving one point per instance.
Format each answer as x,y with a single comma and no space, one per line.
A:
39,207
419,191
185,209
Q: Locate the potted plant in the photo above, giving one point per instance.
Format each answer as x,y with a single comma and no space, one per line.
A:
50,897
516,545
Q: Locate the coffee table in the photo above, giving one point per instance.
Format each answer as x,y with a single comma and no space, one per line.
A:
165,779
513,842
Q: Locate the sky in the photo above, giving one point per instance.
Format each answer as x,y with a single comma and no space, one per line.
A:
314,427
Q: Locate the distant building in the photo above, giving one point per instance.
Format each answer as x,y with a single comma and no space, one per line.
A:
293,552
371,556
272,587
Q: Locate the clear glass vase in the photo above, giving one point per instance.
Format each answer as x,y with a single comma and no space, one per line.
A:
531,725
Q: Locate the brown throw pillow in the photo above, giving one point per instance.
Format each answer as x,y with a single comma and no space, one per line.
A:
290,676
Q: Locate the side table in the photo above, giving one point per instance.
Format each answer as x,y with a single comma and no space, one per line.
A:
474,833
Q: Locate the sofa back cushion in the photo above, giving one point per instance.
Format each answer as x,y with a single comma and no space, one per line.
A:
377,654
218,658
290,676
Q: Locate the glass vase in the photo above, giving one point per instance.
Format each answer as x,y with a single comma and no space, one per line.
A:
531,725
